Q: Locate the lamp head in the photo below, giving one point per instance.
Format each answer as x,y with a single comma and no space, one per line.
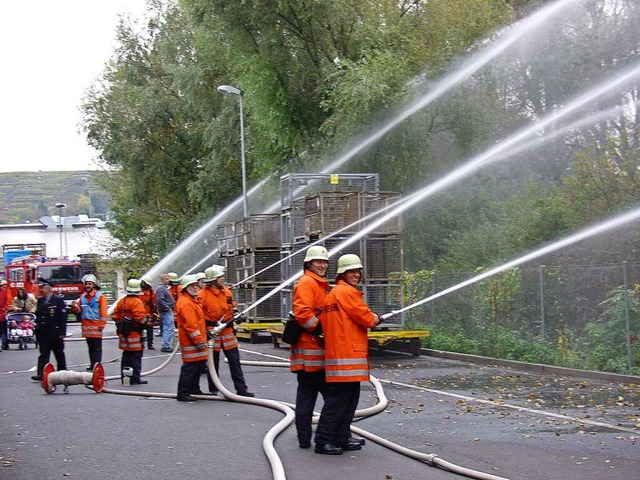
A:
229,90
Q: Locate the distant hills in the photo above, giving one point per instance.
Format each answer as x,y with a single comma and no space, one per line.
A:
27,196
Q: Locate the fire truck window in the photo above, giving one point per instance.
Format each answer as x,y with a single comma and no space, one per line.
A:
16,275
61,274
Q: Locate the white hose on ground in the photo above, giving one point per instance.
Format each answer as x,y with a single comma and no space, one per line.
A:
153,370
277,468
70,377
429,458
360,413
82,339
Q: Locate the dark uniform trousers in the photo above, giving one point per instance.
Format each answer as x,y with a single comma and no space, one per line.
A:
4,333
133,360
233,357
95,350
48,344
309,385
149,330
340,404
189,381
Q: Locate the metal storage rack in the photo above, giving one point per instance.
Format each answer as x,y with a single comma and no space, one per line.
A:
295,185
313,206
258,232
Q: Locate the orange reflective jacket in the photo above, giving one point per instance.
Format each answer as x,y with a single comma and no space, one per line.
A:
309,296
148,297
218,305
345,325
131,307
191,328
93,313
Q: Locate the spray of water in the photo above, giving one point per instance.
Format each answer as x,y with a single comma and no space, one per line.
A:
614,82
195,237
603,227
514,33
545,138
508,37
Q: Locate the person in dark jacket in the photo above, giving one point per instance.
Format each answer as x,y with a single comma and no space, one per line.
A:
51,328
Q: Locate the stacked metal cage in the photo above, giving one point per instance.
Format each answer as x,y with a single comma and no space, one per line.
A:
315,206
247,247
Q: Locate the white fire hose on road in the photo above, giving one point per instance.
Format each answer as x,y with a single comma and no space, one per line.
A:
96,383
429,458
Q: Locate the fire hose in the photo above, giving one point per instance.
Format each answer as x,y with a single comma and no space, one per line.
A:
429,458
96,382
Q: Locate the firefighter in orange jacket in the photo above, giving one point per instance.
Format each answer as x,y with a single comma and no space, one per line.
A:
307,355
174,285
92,309
130,317
219,306
345,325
148,298
192,334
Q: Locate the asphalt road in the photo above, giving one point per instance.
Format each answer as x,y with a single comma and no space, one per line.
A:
509,431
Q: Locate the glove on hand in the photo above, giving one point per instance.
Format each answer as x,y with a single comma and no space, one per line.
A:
238,317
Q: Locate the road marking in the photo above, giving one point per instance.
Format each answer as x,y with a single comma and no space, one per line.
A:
514,407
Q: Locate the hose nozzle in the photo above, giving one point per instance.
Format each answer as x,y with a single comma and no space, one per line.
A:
387,316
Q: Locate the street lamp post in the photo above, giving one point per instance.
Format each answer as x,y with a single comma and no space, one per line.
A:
229,90
60,206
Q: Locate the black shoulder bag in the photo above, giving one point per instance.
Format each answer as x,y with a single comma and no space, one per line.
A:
292,330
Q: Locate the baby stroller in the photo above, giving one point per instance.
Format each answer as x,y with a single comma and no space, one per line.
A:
15,331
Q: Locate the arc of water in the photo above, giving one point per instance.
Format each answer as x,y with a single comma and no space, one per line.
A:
195,236
589,120
468,68
612,82
596,229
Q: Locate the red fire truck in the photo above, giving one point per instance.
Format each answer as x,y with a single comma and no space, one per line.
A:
26,271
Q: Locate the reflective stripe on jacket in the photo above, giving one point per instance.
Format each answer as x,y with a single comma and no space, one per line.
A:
93,314
191,328
218,305
309,297
345,325
131,307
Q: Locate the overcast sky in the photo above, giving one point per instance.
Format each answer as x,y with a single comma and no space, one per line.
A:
52,51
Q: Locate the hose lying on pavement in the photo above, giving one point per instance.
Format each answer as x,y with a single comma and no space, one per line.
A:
153,370
277,467
429,458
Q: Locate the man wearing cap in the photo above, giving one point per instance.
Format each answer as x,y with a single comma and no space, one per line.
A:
192,333
345,323
148,297
51,328
130,317
5,302
92,310
219,306
166,305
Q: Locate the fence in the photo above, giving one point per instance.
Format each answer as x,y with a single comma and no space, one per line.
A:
583,316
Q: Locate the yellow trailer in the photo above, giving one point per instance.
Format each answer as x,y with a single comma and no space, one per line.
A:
407,341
